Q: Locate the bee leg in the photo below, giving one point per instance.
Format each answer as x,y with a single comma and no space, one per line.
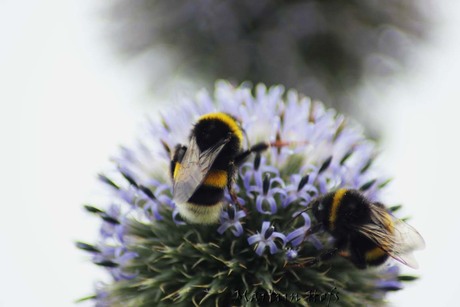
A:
311,261
314,229
257,148
340,247
325,255
178,155
234,198
231,191
242,156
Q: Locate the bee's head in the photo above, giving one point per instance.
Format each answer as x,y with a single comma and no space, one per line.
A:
214,127
208,133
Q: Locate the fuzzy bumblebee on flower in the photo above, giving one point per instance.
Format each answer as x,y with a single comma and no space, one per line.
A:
248,198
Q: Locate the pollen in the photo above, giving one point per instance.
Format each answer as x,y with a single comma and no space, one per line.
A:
177,169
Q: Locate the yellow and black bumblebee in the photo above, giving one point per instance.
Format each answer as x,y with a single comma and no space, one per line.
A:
364,231
202,170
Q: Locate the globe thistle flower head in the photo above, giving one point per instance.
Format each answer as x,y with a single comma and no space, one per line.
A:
256,252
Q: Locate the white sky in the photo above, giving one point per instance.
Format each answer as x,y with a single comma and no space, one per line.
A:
67,103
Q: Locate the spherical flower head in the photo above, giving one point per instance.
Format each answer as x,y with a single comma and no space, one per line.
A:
258,249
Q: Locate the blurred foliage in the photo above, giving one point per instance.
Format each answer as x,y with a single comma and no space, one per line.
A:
323,48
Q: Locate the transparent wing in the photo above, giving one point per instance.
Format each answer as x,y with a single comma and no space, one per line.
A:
194,167
397,238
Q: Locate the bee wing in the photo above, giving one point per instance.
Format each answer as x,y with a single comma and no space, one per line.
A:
407,239
398,243
194,167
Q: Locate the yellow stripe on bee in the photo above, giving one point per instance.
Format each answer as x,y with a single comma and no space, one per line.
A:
176,169
374,254
338,196
228,120
216,178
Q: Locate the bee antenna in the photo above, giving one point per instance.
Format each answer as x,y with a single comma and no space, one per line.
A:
298,214
245,137
281,143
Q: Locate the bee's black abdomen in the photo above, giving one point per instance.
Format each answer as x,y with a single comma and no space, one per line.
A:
207,196
378,261
361,259
364,252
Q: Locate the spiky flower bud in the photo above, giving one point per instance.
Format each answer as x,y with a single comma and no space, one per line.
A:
259,251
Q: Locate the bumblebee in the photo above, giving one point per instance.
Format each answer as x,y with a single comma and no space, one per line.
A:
364,231
203,170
